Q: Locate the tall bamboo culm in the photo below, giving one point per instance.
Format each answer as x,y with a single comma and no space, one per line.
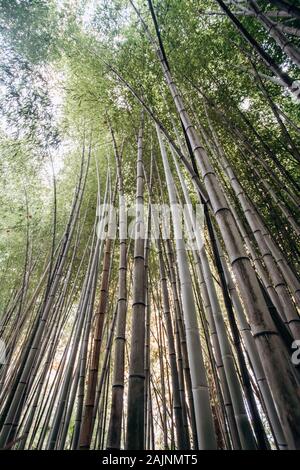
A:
136,385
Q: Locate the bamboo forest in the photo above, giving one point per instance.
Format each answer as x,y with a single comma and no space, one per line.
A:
149,225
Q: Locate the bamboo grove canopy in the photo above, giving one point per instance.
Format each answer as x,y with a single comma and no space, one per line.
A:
126,321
